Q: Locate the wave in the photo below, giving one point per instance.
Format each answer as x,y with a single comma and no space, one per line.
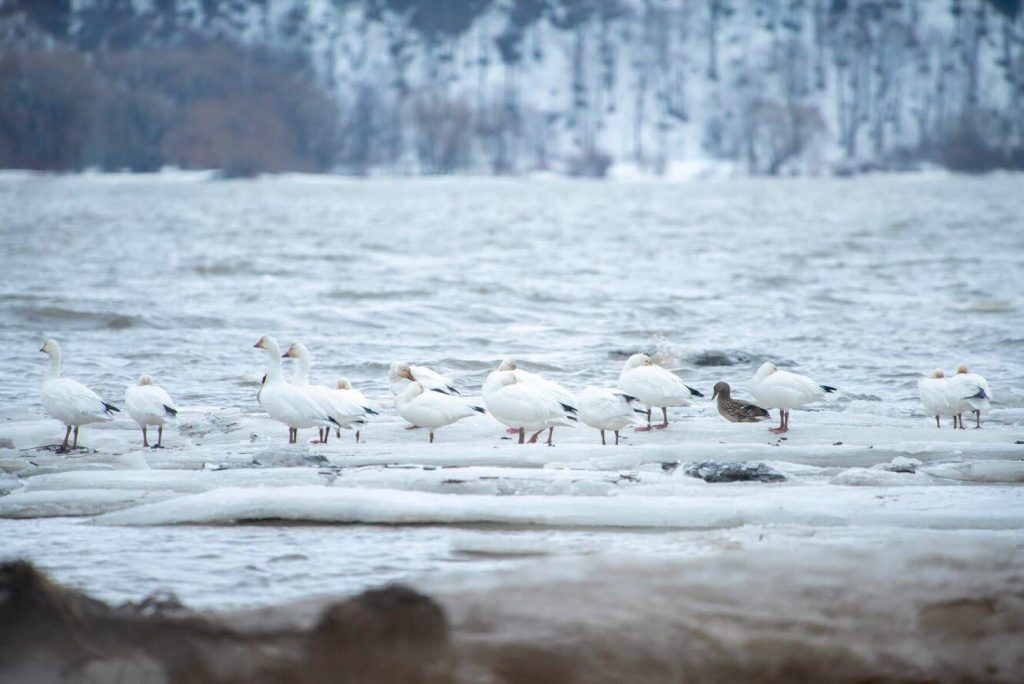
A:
51,315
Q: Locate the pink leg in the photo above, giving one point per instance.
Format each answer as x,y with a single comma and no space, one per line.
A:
616,438
145,438
602,438
512,431
978,416
645,429
64,445
160,437
937,423
664,422
533,438
522,435
357,436
551,433
431,437
412,427
75,442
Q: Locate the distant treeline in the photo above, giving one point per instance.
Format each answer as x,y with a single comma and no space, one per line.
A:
488,86
200,106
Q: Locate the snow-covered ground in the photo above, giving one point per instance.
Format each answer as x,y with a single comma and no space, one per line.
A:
863,284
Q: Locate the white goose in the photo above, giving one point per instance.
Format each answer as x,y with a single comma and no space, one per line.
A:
149,404
431,409
285,403
331,401
430,379
563,395
937,397
607,409
975,394
774,388
70,402
525,406
344,387
653,385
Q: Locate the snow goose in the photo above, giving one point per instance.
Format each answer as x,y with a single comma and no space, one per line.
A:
524,406
937,397
607,409
653,385
975,394
774,388
432,409
736,411
430,379
344,387
69,401
149,404
563,395
331,401
285,403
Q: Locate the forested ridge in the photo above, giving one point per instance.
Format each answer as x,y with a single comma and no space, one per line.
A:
511,86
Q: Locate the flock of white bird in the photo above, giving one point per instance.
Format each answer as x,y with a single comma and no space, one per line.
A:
526,403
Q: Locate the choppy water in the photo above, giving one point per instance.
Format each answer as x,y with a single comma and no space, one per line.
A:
863,283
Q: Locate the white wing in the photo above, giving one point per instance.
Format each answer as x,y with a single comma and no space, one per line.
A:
656,386
73,403
149,403
436,409
606,409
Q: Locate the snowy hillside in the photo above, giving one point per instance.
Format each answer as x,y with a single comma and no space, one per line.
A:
578,86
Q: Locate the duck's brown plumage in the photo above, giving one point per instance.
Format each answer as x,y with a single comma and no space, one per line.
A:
737,411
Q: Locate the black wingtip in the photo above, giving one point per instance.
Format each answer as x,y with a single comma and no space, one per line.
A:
629,398
980,395
828,388
695,393
369,410
107,408
334,421
567,408
441,391
642,412
573,419
479,409
453,390
172,411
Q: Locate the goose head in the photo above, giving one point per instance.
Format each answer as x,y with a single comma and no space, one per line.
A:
637,360
505,378
145,380
508,364
938,373
721,389
766,369
396,370
344,384
269,345
401,370
296,350
50,348
962,370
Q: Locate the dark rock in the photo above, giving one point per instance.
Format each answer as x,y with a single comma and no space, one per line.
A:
717,357
394,634
276,459
713,471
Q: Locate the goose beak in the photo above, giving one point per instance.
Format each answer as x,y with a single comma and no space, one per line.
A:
286,355
42,349
257,346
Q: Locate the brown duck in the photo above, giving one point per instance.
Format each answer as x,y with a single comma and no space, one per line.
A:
737,411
